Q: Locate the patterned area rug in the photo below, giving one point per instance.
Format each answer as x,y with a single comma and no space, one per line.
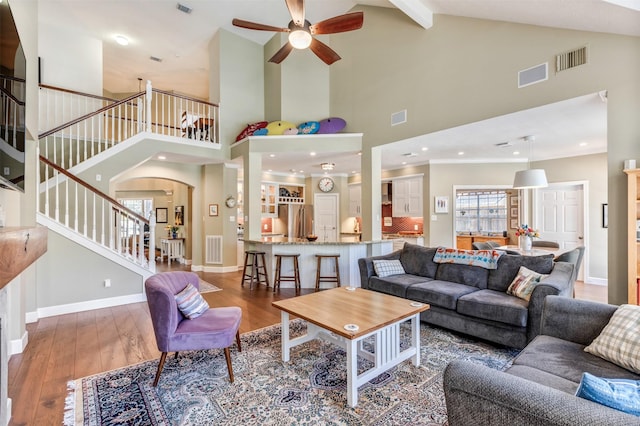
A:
309,390
206,287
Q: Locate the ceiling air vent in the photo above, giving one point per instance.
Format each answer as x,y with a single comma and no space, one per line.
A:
399,117
154,58
504,144
183,8
533,75
571,59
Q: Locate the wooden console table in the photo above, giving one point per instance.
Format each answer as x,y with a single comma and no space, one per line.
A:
19,248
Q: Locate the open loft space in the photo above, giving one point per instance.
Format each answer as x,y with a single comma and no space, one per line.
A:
368,190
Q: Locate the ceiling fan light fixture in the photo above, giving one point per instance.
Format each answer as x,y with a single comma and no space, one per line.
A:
300,39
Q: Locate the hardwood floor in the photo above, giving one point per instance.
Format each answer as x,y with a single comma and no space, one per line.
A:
67,347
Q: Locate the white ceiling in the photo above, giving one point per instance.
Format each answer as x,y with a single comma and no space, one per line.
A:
156,28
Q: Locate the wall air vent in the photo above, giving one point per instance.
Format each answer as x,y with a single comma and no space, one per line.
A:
533,75
399,117
183,8
571,59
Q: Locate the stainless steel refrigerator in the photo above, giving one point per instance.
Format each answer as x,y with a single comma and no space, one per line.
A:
294,220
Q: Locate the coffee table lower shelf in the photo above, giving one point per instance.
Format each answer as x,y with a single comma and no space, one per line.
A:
386,349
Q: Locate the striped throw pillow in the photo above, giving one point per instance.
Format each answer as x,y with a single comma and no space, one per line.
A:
619,341
191,303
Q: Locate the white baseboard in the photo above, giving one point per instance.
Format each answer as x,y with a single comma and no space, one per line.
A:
196,268
90,304
8,410
17,346
216,269
31,317
597,281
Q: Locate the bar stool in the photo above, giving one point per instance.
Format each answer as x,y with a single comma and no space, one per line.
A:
255,259
327,278
296,271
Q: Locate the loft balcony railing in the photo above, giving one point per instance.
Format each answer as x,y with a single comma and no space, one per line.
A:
12,113
93,124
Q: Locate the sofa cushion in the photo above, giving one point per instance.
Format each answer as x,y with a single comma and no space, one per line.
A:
495,306
543,378
418,260
619,341
619,394
395,285
463,274
523,284
509,264
385,268
439,293
567,360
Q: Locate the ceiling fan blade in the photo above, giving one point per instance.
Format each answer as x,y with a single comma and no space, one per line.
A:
282,53
296,9
324,52
339,24
255,26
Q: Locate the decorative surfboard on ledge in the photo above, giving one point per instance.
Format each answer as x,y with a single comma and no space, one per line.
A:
279,127
261,132
308,127
331,125
251,129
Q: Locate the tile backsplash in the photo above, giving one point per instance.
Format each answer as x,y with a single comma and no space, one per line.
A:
399,224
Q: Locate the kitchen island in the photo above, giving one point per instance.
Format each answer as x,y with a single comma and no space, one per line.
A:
350,251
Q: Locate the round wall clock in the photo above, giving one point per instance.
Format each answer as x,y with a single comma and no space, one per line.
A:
325,184
230,201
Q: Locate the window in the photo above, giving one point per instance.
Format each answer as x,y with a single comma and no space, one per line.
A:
141,206
481,211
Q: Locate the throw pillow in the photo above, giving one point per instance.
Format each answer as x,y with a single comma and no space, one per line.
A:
191,303
619,341
384,268
523,284
620,394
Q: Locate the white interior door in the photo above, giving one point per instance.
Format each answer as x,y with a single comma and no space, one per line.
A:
326,216
560,217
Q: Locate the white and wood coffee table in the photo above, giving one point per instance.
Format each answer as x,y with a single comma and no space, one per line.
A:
330,315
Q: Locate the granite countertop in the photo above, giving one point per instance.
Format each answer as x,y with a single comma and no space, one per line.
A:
304,241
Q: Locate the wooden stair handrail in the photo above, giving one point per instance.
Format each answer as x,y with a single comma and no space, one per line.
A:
10,96
87,116
188,98
93,189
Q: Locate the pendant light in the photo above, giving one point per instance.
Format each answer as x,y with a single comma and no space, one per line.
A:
530,178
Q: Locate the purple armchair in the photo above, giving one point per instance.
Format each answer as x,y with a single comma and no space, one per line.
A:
216,328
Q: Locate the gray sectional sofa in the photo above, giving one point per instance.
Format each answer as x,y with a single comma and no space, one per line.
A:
472,299
539,387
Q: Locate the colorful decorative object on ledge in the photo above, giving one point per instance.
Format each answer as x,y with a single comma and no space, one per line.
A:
279,127
308,127
331,125
251,129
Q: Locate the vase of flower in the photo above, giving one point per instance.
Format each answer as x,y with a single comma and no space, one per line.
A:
526,236
526,243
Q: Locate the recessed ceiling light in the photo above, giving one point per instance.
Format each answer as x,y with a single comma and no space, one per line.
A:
404,162
312,153
460,152
300,171
360,153
272,155
269,170
516,152
583,144
121,40
161,157
424,148
354,171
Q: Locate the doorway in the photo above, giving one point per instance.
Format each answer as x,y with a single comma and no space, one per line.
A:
326,216
560,216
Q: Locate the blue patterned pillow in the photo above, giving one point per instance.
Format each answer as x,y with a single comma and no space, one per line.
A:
384,268
619,394
191,303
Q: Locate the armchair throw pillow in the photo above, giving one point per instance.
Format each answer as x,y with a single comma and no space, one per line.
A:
619,341
523,284
190,302
384,268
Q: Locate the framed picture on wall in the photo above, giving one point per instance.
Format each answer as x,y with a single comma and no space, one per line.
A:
515,201
213,210
514,212
513,224
179,217
442,204
161,215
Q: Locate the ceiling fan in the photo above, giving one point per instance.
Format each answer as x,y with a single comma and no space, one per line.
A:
301,31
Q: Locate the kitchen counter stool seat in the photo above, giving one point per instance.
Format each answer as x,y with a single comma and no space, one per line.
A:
254,260
295,278
327,278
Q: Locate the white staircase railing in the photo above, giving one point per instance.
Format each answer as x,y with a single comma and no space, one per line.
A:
99,124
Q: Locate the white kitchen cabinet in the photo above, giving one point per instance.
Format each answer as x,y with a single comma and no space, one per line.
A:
355,200
407,197
269,199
